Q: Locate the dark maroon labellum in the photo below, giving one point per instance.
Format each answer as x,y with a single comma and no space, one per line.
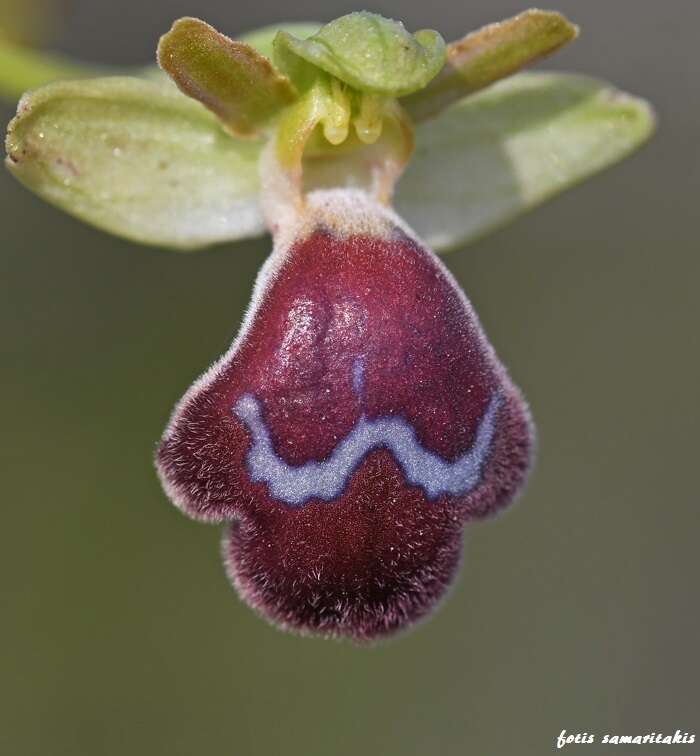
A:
358,421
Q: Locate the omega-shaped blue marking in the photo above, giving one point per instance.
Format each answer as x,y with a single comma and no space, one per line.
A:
295,485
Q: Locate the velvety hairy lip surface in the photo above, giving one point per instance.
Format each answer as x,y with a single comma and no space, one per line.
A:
361,361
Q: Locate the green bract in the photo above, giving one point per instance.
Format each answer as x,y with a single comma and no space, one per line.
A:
370,53
136,157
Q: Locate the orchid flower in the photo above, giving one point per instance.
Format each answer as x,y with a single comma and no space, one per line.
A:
361,417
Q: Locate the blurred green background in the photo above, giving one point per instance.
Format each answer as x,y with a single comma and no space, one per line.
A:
576,609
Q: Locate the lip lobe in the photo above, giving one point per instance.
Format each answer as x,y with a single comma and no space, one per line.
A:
358,421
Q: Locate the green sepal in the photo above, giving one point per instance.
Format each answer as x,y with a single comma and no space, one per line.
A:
501,152
368,52
136,158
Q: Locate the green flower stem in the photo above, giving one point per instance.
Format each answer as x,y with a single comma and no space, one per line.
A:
22,68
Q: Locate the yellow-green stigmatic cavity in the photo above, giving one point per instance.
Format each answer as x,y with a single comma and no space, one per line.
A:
368,52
